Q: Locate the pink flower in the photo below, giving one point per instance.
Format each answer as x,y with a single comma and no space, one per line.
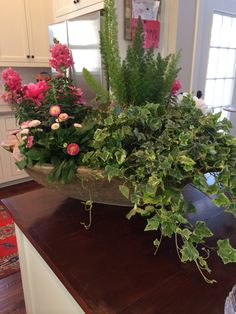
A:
7,97
72,149
36,91
63,116
11,79
175,87
34,123
55,110
61,57
76,91
30,141
25,124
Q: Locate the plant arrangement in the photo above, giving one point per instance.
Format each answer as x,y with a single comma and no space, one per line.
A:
141,133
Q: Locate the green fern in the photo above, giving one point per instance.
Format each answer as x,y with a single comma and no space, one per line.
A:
101,92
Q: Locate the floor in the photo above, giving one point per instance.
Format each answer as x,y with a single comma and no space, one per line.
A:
11,292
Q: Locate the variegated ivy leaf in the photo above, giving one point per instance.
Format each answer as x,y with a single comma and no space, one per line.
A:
120,156
188,252
221,200
226,252
153,223
124,190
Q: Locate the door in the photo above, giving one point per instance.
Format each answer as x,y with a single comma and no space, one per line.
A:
215,54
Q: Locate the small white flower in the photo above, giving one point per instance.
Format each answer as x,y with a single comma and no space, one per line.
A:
55,126
65,145
78,125
34,123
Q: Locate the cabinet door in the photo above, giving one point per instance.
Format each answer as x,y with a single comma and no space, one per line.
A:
39,16
62,7
13,32
71,9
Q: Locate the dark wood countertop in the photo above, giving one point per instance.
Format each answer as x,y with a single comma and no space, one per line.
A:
111,268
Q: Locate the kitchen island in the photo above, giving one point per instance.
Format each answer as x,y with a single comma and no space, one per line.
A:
111,268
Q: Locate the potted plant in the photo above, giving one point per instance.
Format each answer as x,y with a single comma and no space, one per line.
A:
141,136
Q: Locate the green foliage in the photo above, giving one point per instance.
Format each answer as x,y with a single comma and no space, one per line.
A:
226,252
110,51
142,77
154,143
101,94
157,152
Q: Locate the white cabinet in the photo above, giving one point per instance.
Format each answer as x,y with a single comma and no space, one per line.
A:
24,32
66,9
43,291
9,173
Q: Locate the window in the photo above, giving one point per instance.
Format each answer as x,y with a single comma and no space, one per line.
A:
221,63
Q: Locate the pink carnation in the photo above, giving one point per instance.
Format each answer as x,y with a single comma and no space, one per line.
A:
12,79
175,87
61,58
55,110
72,149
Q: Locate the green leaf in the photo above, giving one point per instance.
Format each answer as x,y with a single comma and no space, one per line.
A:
186,233
221,200
226,252
188,252
231,209
120,156
35,153
187,161
153,223
201,231
21,164
124,190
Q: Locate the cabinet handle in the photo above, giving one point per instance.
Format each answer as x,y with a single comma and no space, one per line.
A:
76,1
32,57
28,56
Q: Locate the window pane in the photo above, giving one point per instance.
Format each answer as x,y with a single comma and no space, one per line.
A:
228,91
219,91
223,53
209,92
230,64
216,29
212,63
221,63
232,43
226,31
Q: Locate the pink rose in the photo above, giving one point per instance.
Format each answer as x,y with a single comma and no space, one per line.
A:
72,149
55,110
